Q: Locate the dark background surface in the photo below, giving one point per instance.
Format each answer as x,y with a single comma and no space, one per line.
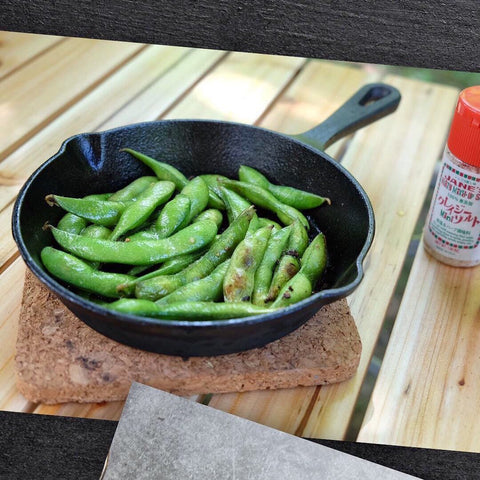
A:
418,33
48,447
421,33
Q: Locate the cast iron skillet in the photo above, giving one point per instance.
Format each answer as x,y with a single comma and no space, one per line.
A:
91,163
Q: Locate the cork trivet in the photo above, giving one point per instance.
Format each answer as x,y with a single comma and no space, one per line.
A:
60,359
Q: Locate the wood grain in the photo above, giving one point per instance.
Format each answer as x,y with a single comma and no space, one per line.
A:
16,49
415,33
427,391
240,89
34,95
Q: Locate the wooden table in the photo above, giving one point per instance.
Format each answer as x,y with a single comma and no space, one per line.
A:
426,393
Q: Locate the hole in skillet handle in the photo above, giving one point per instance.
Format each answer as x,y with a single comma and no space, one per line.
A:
374,94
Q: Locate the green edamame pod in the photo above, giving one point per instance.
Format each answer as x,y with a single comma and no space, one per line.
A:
313,262
263,276
215,200
175,264
76,272
98,196
72,223
253,227
197,191
220,250
288,195
173,217
263,198
264,222
170,267
100,212
147,252
95,231
186,311
239,278
133,189
163,171
207,289
289,263
234,203
212,214
136,213
296,289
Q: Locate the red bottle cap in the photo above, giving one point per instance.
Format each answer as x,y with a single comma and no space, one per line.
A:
464,138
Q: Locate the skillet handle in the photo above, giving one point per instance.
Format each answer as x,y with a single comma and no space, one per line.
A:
371,102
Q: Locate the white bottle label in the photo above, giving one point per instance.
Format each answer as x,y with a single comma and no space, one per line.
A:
453,226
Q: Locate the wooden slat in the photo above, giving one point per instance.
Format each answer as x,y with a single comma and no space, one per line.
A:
10,398
35,94
427,392
396,182
100,411
18,48
7,244
160,96
240,89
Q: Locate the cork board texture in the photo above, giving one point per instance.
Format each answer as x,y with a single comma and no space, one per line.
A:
60,359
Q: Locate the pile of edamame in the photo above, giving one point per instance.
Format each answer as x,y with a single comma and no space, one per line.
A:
170,247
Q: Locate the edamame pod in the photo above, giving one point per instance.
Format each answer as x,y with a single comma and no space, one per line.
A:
264,222
294,197
147,252
277,243
72,223
263,198
197,191
212,214
289,263
173,217
220,250
186,311
76,272
234,203
95,231
314,261
170,267
100,212
239,278
215,200
163,171
98,196
136,213
207,289
133,189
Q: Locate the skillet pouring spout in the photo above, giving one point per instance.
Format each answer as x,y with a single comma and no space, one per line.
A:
92,163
